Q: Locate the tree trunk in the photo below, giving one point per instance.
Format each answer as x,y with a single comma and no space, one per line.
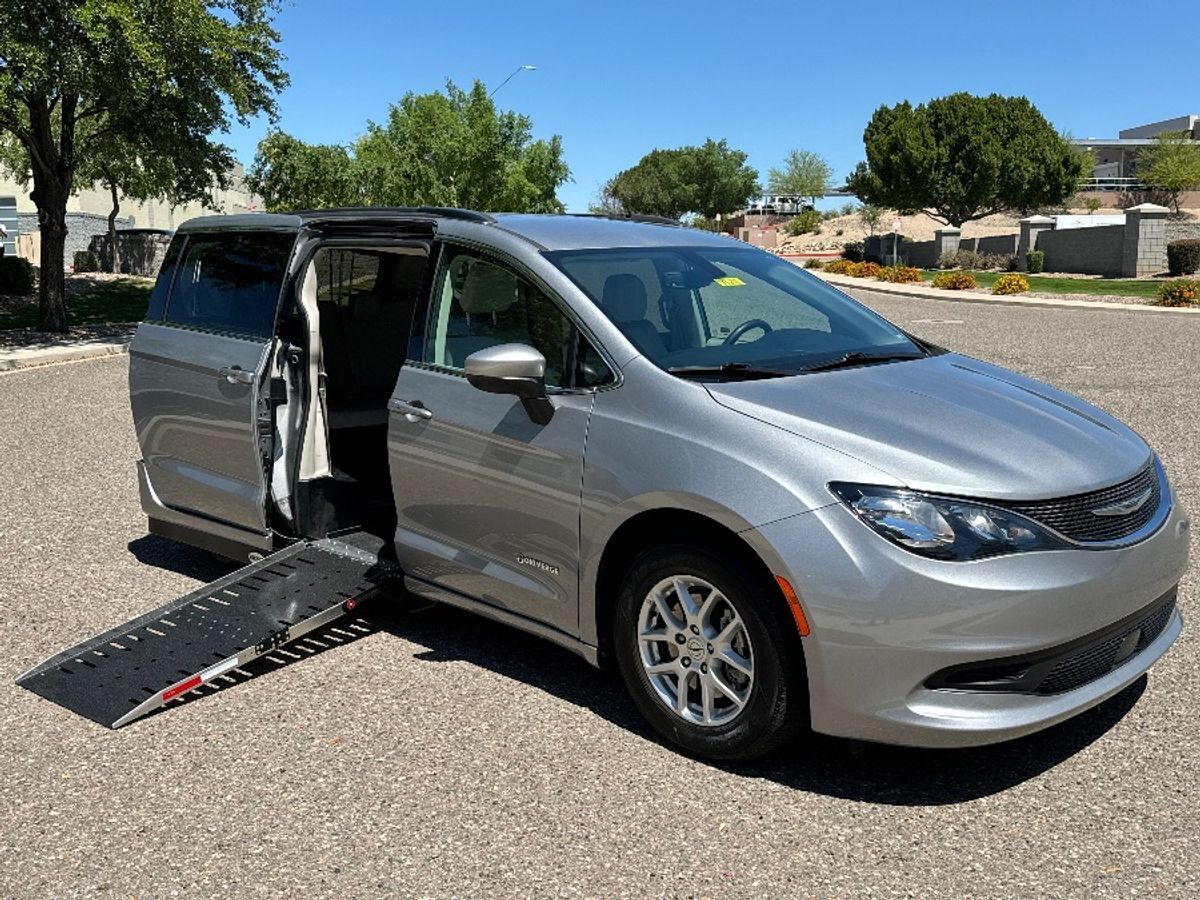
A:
52,221
112,225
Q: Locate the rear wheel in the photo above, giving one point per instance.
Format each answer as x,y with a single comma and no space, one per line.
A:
707,655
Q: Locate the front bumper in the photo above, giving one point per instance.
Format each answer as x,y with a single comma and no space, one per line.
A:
884,621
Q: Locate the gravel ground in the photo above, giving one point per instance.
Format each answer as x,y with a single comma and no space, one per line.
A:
446,756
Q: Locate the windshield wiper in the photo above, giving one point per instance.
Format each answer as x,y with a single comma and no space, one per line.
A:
858,358
729,370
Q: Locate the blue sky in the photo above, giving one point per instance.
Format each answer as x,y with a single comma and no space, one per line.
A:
617,79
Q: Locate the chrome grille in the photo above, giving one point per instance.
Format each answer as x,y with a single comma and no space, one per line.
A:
1073,516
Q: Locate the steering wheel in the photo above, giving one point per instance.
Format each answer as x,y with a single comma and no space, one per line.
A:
748,325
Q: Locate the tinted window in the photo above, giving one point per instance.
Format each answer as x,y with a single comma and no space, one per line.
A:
230,282
478,303
342,273
166,273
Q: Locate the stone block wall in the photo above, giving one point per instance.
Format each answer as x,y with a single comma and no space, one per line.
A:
1086,251
138,252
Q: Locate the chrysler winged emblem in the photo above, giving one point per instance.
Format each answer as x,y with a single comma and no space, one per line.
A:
1125,507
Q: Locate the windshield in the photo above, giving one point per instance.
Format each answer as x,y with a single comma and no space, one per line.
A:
701,308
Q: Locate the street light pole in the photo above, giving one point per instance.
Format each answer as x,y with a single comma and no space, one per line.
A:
514,74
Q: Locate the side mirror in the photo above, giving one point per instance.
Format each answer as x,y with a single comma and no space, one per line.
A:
515,369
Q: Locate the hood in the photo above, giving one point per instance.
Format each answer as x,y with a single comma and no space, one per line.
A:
951,424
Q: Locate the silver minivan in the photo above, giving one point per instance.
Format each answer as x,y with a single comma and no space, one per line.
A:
668,451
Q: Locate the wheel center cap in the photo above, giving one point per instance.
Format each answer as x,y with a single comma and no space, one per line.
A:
695,648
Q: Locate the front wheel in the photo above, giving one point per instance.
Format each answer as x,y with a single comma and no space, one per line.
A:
708,655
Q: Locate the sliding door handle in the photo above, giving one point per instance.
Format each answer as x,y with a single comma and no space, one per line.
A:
413,412
237,375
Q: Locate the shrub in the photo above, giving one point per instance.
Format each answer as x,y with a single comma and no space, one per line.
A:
840,266
1183,257
855,251
16,276
1012,283
954,281
814,264
87,261
865,270
803,223
900,274
1180,292
973,259
1034,260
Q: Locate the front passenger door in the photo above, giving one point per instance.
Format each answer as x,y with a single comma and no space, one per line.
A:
487,501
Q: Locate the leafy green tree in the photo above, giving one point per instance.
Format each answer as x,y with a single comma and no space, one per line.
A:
804,174
290,174
962,157
451,148
707,180
76,73
1171,165
870,215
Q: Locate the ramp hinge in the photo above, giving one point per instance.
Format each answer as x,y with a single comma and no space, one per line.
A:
273,640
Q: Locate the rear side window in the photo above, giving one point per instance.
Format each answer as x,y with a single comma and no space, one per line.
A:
230,282
166,273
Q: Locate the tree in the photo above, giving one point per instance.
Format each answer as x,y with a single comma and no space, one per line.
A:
707,180
961,157
451,148
75,74
1171,165
870,216
804,174
290,174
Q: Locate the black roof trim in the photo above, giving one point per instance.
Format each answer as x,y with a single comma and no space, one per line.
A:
629,217
395,212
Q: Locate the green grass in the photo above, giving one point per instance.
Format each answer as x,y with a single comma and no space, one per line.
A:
1048,284
124,300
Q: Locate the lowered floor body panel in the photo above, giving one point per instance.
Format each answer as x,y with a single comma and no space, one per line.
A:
136,668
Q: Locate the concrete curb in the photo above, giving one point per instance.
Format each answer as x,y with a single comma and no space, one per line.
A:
30,357
928,293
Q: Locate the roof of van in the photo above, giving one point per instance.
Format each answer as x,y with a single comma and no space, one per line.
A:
550,232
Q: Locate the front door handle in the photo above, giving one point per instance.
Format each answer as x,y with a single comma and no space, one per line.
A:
237,375
413,412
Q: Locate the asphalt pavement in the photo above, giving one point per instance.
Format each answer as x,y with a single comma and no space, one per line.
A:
442,755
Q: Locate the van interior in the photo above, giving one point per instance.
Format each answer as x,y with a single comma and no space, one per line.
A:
355,317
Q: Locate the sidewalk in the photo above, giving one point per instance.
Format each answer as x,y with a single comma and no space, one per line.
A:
23,349
925,292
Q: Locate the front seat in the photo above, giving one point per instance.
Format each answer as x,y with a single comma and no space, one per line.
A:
625,301
488,295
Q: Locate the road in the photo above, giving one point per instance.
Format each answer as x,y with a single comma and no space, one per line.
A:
441,755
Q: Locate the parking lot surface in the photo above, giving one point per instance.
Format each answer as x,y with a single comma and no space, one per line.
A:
442,755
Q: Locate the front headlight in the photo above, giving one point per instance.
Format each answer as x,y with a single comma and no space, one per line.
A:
943,527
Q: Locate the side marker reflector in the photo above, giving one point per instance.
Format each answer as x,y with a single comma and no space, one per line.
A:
794,604
182,688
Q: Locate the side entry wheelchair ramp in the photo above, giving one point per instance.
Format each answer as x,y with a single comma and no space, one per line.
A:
139,667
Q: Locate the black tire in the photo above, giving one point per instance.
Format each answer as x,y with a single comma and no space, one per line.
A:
777,706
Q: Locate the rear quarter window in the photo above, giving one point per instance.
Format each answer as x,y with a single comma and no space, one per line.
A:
230,282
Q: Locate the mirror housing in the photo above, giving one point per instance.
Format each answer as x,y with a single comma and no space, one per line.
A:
515,369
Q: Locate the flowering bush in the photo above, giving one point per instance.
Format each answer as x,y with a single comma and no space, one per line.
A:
840,266
954,281
865,270
1180,292
900,274
1010,284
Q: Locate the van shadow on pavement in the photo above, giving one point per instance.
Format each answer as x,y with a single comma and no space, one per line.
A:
850,770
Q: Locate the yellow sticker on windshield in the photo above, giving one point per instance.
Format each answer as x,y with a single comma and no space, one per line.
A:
729,281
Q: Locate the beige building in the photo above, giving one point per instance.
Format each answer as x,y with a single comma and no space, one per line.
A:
152,214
